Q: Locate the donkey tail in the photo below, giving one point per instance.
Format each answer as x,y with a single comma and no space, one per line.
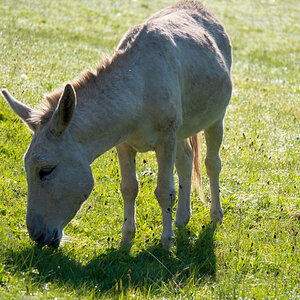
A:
196,145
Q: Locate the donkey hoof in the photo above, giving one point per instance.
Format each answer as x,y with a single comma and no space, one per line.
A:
167,242
125,244
128,234
127,239
182,218
216,215
180,223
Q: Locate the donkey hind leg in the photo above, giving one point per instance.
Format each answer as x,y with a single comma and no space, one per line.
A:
184,165
129,190
214,136
165,191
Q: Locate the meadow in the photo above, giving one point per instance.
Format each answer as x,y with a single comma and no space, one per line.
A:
254,254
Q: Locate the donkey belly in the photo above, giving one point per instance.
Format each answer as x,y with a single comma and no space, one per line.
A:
198,115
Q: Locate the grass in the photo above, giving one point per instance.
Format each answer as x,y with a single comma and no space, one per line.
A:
254,254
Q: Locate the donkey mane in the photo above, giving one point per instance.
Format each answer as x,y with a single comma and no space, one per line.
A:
44,113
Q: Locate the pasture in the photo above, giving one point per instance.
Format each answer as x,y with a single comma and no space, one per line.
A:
255,252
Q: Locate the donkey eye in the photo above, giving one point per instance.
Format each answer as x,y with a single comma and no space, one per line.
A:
43,173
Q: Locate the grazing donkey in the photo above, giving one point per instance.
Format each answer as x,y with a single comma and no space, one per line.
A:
168,79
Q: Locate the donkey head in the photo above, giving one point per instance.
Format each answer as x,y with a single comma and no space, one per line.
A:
59,178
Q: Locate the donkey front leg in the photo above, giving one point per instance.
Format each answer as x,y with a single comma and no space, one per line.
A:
129,190
214,136
165,191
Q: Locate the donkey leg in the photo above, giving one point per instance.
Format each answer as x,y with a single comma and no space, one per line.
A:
184,165
214,136
129,190
165,191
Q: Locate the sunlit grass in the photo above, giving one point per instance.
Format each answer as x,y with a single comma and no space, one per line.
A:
253,254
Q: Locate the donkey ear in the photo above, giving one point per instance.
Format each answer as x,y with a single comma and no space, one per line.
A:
22,110
64,111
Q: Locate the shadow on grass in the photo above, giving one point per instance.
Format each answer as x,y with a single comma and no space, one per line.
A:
116,270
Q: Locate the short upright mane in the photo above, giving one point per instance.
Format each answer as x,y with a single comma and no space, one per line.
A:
41,116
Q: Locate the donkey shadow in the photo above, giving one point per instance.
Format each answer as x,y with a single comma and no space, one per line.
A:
117,270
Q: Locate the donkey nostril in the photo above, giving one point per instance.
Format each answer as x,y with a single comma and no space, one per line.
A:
55,234
54,243
39,238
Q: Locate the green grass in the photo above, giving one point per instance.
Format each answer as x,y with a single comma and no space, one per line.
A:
254,254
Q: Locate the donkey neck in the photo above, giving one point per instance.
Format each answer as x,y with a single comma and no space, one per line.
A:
107,111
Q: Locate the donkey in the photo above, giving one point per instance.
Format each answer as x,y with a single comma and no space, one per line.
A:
168,79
